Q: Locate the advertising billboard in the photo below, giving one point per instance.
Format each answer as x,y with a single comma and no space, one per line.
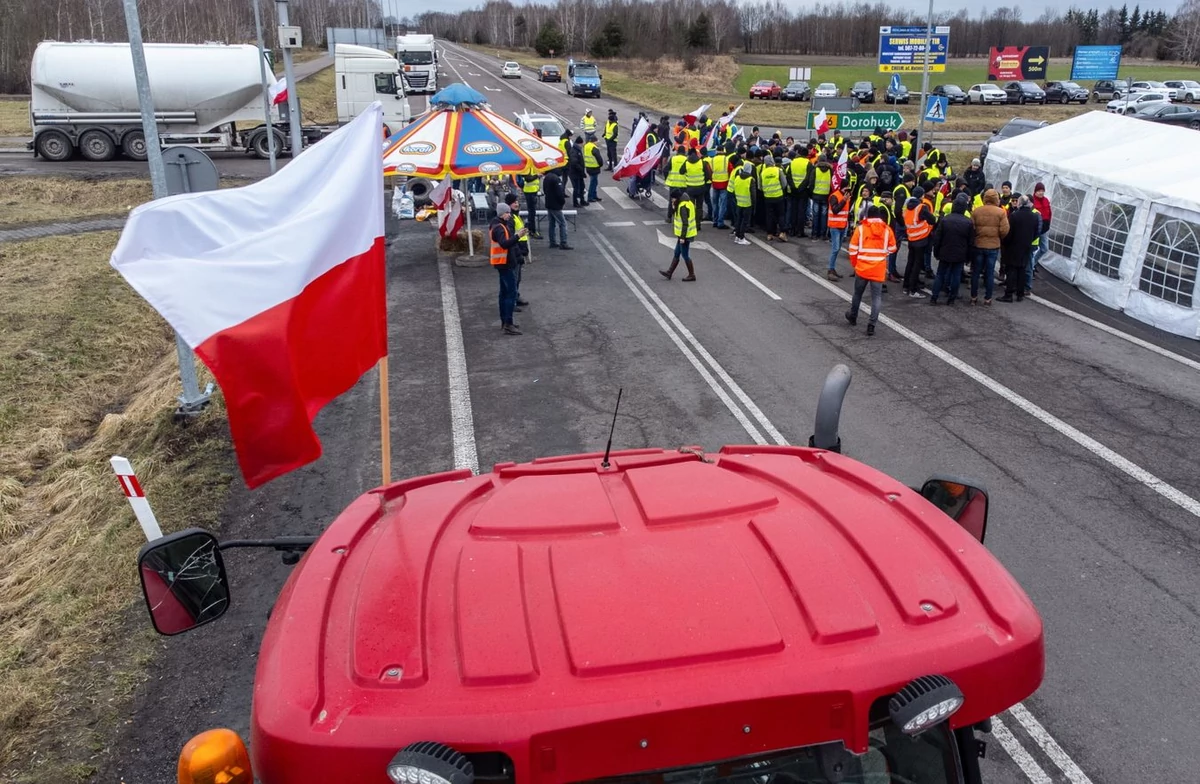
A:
1018,63
902,49
1096,62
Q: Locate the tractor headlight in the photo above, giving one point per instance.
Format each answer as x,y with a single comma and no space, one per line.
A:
427,762
924,703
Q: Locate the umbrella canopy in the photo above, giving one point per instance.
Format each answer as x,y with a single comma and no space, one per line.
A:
461,139
457,95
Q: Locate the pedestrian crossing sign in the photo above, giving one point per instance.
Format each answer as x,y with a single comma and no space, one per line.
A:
935,110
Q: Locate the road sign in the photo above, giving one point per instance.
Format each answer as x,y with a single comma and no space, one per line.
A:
895,82
858,121
902,49
1018,63
799,74
1096,62
935,110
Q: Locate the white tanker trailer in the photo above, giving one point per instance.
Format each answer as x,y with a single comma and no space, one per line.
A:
84,98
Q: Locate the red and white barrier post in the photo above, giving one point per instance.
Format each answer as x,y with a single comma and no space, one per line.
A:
137,497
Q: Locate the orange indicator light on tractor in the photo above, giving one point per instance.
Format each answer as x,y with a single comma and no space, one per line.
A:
215,757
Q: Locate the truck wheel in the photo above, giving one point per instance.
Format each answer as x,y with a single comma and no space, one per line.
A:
262,148
97,146
54,146
133,146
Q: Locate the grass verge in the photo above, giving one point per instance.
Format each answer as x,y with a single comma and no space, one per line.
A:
318,103
25,200
88,370
14,118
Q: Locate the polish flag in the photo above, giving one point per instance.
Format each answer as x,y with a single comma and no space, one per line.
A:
278,286
697,114
640,164
822,122
634,148
841,170
449,204
278,92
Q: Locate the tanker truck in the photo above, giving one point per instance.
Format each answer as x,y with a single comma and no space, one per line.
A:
209,96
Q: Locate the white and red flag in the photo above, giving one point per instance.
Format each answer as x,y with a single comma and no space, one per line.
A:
450,208
634,149
278,286
822,122
841,170
640,164
697,114
278,92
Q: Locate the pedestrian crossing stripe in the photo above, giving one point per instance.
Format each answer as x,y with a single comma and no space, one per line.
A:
936,111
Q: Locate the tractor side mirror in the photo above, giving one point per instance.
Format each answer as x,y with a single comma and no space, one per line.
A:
183,579
963,503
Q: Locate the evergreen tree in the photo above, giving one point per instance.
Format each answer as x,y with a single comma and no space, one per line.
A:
1136,23
699,33
549,39
609,42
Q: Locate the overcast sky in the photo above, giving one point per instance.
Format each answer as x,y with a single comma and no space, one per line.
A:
1031,11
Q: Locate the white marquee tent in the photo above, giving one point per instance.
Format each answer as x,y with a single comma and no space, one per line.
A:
1126,210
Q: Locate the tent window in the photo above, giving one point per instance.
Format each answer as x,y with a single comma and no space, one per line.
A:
1169,272
1068,202
1106,240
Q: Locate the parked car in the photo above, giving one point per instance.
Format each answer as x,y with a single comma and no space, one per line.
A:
765,89
1014,127
511,70
549,125
1132,103
796,91
1149,86
986,93
1024,92
1170,114
549,73
1110,90
827,90
951,92
1065,92
897,94
1186,90
863,91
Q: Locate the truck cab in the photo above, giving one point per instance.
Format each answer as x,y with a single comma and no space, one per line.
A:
417,55
760,614
365,75
583,79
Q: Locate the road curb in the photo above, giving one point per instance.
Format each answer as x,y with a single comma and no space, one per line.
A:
19,234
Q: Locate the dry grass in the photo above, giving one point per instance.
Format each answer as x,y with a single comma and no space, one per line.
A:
14,118
88,371
301,55
318,102
46,199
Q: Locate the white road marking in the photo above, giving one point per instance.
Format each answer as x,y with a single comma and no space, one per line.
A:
462,419
601,242
620,197
669,242
492,89
1025,762
628,276
1193,364
658,200
456,73
472,73
1049,745
652,223
1166,490
616,224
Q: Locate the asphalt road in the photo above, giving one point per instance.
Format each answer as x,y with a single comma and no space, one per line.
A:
1084,437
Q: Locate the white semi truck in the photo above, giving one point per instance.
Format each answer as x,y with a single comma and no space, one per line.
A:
210,96
417,53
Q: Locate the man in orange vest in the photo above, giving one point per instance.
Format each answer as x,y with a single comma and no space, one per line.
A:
873,241
504,260
839,218
918,226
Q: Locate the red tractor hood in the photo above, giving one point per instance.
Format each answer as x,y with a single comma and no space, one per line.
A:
670,609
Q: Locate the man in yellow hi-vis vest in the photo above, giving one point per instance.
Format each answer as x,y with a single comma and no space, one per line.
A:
685,231
611,129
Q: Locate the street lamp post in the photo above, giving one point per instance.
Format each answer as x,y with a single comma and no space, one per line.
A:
925,74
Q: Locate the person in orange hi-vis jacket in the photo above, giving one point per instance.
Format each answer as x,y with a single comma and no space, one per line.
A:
873,241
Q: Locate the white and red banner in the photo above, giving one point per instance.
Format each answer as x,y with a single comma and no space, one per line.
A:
450,208
822,122
278,92
841,170
640,164
697,114
278,286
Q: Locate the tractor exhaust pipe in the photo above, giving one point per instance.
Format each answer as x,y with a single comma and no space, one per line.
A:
829,410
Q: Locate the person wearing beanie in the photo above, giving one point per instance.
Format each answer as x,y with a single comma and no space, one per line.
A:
510,199
1006,196
870,246
741,189
974,177
1041,205
918,226
504,257
1018,248
611,130
686,227
575,170
772,185
953,240
991,227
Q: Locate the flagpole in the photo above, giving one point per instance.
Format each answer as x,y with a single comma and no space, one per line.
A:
385,423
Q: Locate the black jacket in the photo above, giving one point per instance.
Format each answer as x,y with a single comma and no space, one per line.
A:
554,192
510,244
1022,231
976,182
575,159
953,238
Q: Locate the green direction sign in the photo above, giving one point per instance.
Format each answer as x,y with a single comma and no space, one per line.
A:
858,121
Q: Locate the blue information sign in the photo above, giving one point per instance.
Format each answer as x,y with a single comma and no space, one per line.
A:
1096,62
902,49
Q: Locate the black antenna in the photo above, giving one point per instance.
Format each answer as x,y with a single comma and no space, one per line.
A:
608,446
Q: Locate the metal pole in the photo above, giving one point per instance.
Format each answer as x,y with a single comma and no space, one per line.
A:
262,63
192,400
925,76
293,100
